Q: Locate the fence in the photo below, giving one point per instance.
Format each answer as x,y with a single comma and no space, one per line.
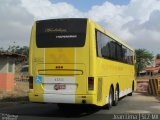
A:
142,86
154,86
21,84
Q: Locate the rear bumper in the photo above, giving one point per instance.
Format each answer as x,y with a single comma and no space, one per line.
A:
62,98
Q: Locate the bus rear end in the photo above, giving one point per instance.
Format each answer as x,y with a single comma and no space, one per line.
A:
59,62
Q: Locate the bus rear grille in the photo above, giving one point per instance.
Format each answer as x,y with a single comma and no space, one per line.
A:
99,92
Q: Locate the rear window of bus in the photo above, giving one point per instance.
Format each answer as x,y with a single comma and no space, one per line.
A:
61,33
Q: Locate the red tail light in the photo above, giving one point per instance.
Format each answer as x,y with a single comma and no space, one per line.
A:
30,82
90,83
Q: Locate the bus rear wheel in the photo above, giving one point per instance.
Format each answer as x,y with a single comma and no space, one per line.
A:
110,99
115,102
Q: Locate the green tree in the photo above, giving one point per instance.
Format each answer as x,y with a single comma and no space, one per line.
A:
144,58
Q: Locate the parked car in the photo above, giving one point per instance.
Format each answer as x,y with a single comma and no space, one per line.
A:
24,71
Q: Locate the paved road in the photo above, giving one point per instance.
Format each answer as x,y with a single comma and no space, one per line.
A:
137,103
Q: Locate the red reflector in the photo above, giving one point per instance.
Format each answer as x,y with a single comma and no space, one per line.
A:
83,96
30,82
90,83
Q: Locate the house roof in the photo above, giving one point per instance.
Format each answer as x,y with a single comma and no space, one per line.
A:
9,54
152,68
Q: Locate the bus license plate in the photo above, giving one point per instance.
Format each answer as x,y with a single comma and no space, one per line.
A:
59,86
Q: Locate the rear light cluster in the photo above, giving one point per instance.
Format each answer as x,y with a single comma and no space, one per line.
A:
30,82
90,83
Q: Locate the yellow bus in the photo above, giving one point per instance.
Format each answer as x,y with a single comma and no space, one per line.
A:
75,61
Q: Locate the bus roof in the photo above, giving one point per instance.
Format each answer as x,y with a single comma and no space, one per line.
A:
97,25
62,19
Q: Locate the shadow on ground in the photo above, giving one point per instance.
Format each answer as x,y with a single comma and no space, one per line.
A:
50,110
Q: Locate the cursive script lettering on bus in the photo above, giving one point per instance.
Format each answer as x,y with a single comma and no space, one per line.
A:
49,30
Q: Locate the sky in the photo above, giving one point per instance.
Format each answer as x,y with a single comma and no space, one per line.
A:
85,5
135,22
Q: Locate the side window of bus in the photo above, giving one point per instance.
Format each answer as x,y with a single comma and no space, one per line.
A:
98,40
106,47
110,49
124,54
119,52
113,50
103,46
127,55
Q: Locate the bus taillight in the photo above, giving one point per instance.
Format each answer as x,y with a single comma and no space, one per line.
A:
30,82
90,83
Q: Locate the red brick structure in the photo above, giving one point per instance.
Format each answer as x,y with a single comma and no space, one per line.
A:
6,81
7,71
154,70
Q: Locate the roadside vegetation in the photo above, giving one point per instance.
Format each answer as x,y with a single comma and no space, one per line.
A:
143,59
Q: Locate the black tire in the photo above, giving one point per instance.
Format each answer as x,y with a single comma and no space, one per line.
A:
130,94
115,102
110,99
